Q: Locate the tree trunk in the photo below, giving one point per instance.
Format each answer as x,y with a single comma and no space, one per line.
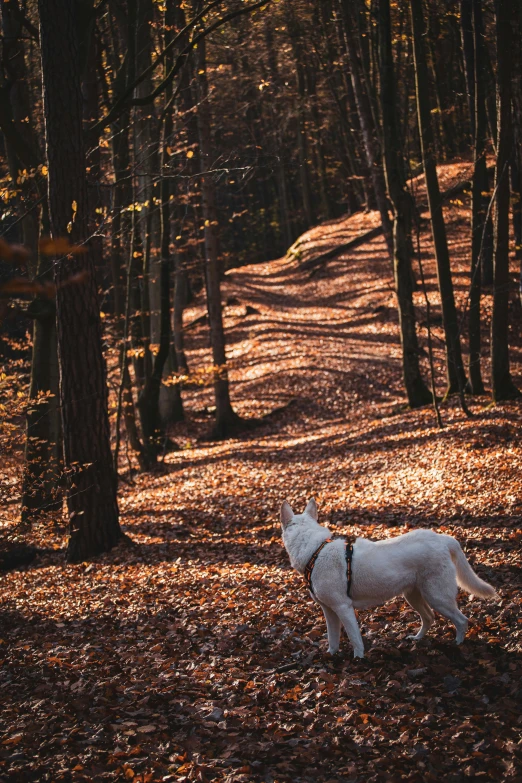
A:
91,491
468,50
18,100
181,298
479,201
302,140
41,491
369,131
472,28
516,164
122,280
516,189
502,385
226,419
149,400
455,367
146,152
42,463
416,390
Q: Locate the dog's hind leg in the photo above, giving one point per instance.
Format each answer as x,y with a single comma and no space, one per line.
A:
346,614
333,627
419,604
446,605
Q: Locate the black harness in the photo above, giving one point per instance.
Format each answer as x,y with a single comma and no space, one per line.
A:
310,565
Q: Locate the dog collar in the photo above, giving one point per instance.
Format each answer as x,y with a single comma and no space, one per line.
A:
310,565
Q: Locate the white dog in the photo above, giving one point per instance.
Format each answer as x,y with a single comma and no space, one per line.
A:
423,566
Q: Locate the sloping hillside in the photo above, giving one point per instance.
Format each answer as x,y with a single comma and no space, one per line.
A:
198,656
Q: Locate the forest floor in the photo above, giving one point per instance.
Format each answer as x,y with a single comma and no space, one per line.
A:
197,655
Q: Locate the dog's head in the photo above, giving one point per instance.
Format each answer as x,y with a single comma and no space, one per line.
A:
288,517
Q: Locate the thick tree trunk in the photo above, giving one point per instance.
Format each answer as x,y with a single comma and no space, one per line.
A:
91,495
416,390
479,201
455,367
503,387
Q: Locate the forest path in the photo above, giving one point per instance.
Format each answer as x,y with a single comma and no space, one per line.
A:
198,655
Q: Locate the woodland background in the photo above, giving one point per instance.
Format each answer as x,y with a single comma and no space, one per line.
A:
249,251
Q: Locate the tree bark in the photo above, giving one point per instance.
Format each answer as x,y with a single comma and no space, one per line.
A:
479,200
502,385
91,491
42,464
417,392
516,161
226,419
468,51
455,367
369,131
302,138
149,400
41,491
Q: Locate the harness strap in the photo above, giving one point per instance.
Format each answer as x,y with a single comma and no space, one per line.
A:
349,555
310,565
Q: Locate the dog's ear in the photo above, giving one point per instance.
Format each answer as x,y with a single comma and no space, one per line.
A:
311,509
286,513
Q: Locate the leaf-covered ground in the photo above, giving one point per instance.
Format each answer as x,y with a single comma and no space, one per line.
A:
198,655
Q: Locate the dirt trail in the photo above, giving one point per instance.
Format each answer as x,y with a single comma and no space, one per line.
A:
172,661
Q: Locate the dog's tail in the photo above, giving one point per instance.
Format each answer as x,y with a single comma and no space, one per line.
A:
466,577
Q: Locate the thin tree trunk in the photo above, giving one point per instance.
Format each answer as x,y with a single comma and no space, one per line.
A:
41,491
181,298
125,396
122,226
516,188
455,367
147,160
300,112
226,419
516,161
479,202
468,50
416,390
369,131
91,491
152,426
42,464
503,387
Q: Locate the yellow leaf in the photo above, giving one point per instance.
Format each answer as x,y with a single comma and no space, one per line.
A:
190,154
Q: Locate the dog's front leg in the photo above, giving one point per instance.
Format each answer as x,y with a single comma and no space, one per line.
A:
333,627
347,616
